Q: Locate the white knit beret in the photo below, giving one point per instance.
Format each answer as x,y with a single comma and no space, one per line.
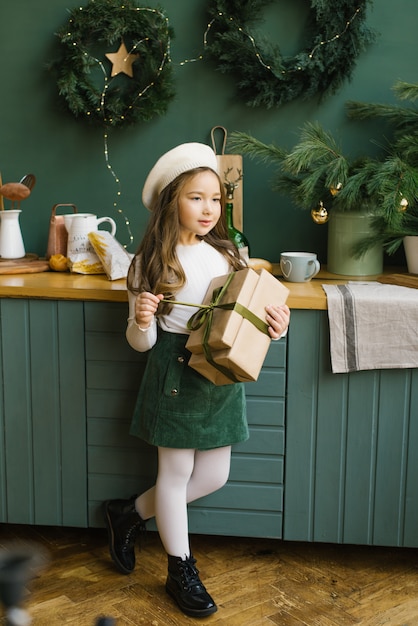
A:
180,159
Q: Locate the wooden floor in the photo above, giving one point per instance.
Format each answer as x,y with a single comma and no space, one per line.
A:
253,581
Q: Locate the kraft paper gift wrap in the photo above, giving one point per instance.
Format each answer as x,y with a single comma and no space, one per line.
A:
231,339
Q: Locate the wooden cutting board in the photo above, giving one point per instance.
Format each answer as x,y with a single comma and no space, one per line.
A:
28,264
403,280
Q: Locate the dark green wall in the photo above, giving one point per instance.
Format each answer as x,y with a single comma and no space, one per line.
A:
67,155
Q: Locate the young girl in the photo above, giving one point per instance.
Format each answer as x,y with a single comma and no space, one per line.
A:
192,422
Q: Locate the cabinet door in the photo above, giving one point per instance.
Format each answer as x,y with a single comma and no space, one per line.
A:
250,504
42,413
119,465
351,441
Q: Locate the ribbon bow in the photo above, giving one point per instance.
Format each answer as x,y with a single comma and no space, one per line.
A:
204,317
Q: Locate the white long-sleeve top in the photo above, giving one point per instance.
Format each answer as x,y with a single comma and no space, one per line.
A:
201,263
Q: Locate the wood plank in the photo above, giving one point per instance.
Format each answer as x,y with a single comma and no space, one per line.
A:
404,280
238,523
23,267
266,411
111,403
16,406
45,409
271,382
411,498
276,355
72,385
362,434
263,440
254,581
392,442
303,361
100,346
243,497
3,469
106,317
105,375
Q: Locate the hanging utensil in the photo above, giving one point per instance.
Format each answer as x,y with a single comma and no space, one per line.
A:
1,197
15,192
29,181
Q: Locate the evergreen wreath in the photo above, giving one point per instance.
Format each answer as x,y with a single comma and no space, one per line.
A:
265,77
82,70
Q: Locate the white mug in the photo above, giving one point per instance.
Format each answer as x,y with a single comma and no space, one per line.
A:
79,225
299,267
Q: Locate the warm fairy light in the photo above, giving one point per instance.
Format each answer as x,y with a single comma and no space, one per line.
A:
118,191
167,54
254,44
337,36
106,84
166,59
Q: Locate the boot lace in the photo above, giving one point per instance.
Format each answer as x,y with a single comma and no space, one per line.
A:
132,532
190,576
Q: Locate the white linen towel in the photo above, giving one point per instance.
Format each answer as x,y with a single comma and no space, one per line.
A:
372,326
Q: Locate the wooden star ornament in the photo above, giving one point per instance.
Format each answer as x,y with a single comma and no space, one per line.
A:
122,61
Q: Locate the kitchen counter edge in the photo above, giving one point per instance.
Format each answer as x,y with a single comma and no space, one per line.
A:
66,286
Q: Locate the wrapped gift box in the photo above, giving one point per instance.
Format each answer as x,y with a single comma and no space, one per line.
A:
231,343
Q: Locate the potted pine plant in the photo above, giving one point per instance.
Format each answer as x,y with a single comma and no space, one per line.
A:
397,222
370,203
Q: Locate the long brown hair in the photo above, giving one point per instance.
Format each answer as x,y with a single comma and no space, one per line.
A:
155,266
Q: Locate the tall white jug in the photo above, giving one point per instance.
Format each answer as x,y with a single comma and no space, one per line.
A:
11,241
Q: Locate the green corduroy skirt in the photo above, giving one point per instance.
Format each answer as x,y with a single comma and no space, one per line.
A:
178,408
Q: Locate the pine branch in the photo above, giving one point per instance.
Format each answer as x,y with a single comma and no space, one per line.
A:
316,147
386,186
406,91
255,149
393,113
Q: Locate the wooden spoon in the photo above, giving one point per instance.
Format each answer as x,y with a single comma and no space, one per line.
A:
14,192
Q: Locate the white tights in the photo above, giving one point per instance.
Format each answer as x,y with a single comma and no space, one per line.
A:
183,476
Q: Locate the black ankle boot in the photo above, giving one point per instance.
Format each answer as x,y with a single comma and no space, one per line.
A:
122,523
185,587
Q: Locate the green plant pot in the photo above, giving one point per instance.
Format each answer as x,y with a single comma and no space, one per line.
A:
345,229
410,245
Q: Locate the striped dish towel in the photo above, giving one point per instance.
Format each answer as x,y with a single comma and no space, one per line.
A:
372,326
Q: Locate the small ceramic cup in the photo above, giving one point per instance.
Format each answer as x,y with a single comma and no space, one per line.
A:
299,267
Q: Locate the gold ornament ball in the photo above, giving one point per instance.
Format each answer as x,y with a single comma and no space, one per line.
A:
319,214
335,190
403,204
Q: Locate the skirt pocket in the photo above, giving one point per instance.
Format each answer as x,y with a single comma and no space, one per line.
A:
185,389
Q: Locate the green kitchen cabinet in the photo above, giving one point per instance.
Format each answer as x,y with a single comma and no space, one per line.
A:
43,469
251,504
331,457
351,446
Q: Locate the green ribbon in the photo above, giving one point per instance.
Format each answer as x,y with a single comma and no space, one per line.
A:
204,317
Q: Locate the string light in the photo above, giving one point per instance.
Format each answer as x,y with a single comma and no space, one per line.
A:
166,59
337,36
205,41
106,84
254,44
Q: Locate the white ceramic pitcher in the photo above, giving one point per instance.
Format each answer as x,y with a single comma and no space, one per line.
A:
79,225
11,242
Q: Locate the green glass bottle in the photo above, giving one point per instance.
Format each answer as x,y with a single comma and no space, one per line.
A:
235,235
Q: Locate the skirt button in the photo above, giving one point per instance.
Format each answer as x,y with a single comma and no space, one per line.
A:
180,359
174,392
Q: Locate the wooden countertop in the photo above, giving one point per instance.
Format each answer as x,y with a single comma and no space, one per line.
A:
66,286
